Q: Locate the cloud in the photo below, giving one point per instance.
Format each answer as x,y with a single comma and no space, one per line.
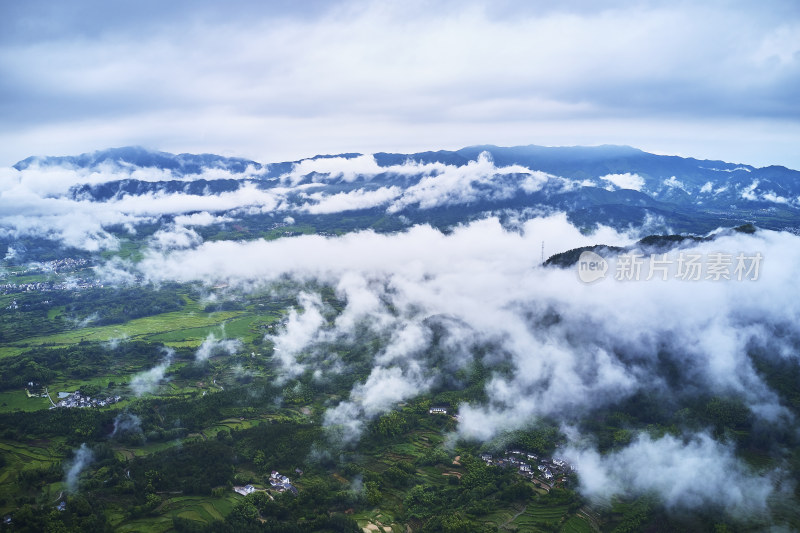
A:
203,218
674,183
347,201
32,205
552,346
483,244
687,473
300,330
147,381
477,180
116,272
684,80
625,181
753,194
176,237
748,192
126,422
345,169
83,457
212,346
29,209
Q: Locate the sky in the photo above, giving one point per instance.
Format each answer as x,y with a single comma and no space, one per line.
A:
283,80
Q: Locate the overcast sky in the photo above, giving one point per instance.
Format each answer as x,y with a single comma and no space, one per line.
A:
283,80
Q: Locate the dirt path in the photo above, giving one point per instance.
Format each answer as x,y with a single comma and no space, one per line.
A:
49,398
507,522
541,484
586,514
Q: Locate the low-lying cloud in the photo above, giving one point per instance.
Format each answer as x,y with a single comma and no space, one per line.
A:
147,381
625,181
39,202
553,346
697,472
126,422
83,458
212,346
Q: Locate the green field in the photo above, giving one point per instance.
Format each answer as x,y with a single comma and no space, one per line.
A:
17,400
217,405
137,328
576,524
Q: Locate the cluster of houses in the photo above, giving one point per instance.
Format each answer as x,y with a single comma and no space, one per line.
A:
281,483
8,288
277,482
276,326
441,411
76,399
67,263
529,465
244,491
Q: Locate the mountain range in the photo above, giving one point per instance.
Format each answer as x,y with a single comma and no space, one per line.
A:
616,186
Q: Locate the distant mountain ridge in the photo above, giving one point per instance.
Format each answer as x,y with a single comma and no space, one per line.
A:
615,185
138,156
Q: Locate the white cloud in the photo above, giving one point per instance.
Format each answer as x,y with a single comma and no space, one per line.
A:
82,458
176,237
477,180
770,196
625,181
695,473
480,285
33,205
414,252
318,81
748,192
212,346
203,218
300,330
147,381
346,169
346,201
674,183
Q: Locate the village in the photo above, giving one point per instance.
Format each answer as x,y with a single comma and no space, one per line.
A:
66,263
72,285
550,470
77,399
277,481
547,470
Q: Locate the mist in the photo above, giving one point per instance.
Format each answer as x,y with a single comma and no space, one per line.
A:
40,200
126,422
147,381
567,348
212,346
83,457
697,472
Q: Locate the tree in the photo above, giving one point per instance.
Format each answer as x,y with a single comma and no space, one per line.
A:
391,425
244,512
374,495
